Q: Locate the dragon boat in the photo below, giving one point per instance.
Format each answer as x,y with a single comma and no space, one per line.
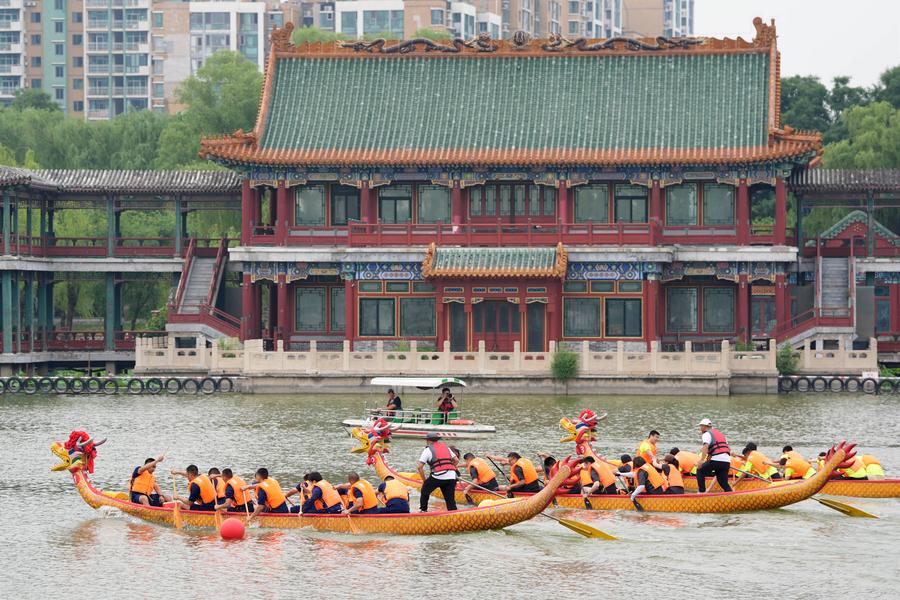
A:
766,498
77,456
582,431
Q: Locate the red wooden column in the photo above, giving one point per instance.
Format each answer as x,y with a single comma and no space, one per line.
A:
246,306
350,311
282,314
439,305
281,214
655,212
456,205
246,213
365,208
743,213
554,311
651,310
562,201
780,211
743,309
781,313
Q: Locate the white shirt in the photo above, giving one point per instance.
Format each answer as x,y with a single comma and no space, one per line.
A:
721,456
427,456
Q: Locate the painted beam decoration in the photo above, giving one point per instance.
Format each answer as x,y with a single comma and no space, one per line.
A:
610,271
727,271
388,271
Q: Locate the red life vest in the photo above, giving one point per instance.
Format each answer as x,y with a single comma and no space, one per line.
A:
719,444
441,458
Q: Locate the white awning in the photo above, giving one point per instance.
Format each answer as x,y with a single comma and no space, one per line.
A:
425,383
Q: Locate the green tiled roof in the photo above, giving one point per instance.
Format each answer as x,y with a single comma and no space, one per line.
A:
857,216
495,262
515,103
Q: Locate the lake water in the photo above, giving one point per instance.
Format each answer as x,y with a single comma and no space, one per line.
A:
56,545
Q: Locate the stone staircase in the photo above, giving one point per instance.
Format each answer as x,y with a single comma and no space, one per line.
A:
197,286
835,284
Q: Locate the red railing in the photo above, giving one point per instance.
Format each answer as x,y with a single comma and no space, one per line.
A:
208,315
217,272
185,273
854,246
814,317
89,247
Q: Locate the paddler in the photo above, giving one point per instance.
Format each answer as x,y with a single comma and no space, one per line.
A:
757,463
715,457
856,470
672,472
442,461
323,498
687,461
269,496
216,477
596,477
202,495
394,495
361,495
794,465
523,477
647,479
143,487
647,449
235,499
874,470
480,473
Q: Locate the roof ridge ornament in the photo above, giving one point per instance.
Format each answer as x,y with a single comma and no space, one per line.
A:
281,38
765,33
481,43
558,43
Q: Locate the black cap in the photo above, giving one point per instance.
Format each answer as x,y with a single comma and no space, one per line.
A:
432,437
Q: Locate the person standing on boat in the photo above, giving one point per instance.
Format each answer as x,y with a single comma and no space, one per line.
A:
715,457
446,403
480,473
394,403
235,498
361,494
442,462
394,495
143,488
269,497
647,449
523,477
202,495
323,498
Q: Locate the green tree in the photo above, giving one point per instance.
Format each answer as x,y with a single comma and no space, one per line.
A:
7,157
437,35
222,97
874,139
888,87
804,103
564,366
841,98
315,35
33,98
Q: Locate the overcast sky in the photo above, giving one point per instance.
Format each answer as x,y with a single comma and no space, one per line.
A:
859,38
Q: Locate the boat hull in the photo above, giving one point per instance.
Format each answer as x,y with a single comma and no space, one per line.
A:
420,430
866,488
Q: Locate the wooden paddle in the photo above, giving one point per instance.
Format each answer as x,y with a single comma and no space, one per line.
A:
581,528
176,507
850,511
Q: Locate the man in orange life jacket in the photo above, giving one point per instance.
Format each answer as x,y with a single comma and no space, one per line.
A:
715,456
202,494
523,476
394,495
442,462
596,478
216,477
480,473
672,471
323,498
647,480
235,499
361,495
269,497
143,487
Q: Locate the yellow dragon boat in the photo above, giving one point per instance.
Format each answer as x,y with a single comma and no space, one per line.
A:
853,488
77,455
723,502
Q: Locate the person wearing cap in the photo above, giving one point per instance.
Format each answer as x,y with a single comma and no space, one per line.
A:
715,457
442,461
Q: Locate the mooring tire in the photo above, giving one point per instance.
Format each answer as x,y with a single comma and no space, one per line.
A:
61,385
76,385
30,385
869,385
2,386
885,387
135,386
226,385
802,384
14,385
110,386
208,385
190,386
173,386
93,385
153,385
45,385
836,384
819,384
786,384
852,385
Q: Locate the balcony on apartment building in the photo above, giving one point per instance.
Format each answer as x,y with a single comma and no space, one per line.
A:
14,23
12,3
11,69
115,3
11,47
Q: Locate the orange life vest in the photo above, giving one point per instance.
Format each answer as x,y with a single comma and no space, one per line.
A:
330,496
604,475
857,470
646,450
207,489
236,483
737,462
274,495
369,500
674,478
220,488
687,462
528,471
393,489
484,472
145,483
798,466
873,466
654,477
758,461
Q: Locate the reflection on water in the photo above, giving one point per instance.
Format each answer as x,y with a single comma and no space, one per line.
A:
65,547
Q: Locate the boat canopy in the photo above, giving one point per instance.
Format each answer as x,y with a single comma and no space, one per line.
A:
423,383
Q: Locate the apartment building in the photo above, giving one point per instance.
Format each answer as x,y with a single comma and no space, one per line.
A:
651,18
12,48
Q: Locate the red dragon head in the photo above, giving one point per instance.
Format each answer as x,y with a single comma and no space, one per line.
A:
373,440
77,453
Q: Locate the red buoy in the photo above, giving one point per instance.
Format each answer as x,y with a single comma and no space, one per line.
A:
232,529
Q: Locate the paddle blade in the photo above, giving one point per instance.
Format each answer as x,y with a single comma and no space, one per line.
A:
218,518
586,530
176,514
637,506
850,511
